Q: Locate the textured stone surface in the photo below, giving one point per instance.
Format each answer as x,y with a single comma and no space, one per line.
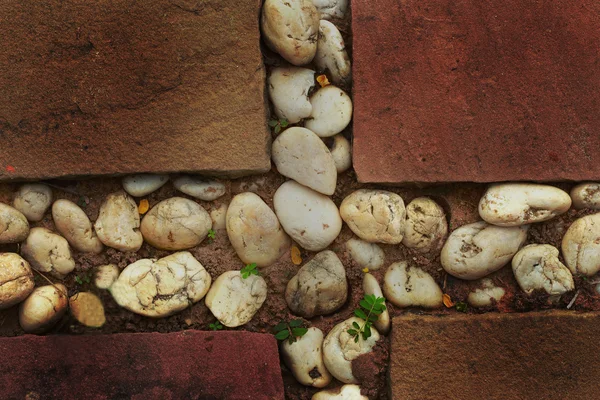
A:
182,365
538,355
85,88
476,90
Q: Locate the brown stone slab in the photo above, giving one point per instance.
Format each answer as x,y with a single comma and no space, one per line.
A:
142,366
107,87
476,90
538,355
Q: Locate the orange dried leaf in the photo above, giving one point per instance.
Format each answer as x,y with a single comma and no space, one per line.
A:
365,270
144,206
323,81
10,168
447,301
296,257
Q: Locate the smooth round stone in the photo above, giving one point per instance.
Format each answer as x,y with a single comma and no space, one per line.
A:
371,286
218,216
375,215
234,300
516,204
331,111
331,53
33,200
304,358
203,189
72,222
291,28
48,252
537,267
106,275
319,287
254,231
143,184
581,245
159,288
411,287
340,349
365,254
341,152
316,171
14,227
176,224
329,9
288,90
478,249
310,218
43,308
586,195
118,223
426,225
87,309
16,280
486,295
346,392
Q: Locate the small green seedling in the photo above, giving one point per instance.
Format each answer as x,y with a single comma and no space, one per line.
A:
216,326
461,306
278,125
82,278
290,331
370,308
249,269
211,235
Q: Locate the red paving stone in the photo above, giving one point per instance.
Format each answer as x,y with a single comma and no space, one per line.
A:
537,355
476,90
142,366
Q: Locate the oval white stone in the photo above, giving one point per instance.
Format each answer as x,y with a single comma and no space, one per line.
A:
329,9
143,184
48,252
33,200
581,245
331,111
218,217
14,227
43,308
72,222
200,188
371,286
537,267
106,275
345,392
426,225
331,53
305,357
411,287
288,90
16,280
586,195
118,223
486,295
341,152
365,254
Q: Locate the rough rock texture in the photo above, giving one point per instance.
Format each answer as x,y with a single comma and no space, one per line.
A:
87,89
538,355
476,90
182,365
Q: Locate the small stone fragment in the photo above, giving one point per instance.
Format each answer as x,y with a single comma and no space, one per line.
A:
14,227
375,215
159,288
426,225
331,53
329,9
340,349
581,245
176,224
331,111
288,90
537,267
478,249
118,223
341,152
16,280
411,287
87,308
33,200
310,218
371,286
234,300
200,188
304,358
346,392
218,217
254,231
319,287
140,185
48,252
586,195
486,295
316,171
72,222
106,275
43,308
516,204
291,28
365,254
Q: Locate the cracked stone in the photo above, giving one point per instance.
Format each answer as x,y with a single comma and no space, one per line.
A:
72,222
581,245
426,225
486,295
288,91
33,200
48,252
118,223
43,308
365,254
16,280
304,358
330,9
586,195
331,54
411,287
537,267
14,227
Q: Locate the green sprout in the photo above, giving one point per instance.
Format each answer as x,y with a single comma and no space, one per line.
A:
461,306
211,235
290,331
370,308
82,278
278,125
249,269
216,326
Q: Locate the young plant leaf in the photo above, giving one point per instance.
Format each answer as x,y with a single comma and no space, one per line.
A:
360,314
295,323
299,332
355,324
352,332
282,335
279,327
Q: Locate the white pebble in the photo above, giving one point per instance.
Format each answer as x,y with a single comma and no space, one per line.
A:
72,222
331,111
341,152
331,8
14,227
33,200
43,308
218,217
16,280
200,188
48,252
371,286
143,184
288,90
304,358
426,226
411,287
486,295
106,275
586,195
537,267
346,392
331,53
118,223
581,245
365,254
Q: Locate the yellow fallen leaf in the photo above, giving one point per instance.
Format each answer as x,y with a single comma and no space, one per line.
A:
323,81
365,270
296,257
144,206
447,301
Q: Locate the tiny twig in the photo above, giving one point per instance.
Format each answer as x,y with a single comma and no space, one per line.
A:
49,281
573,299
